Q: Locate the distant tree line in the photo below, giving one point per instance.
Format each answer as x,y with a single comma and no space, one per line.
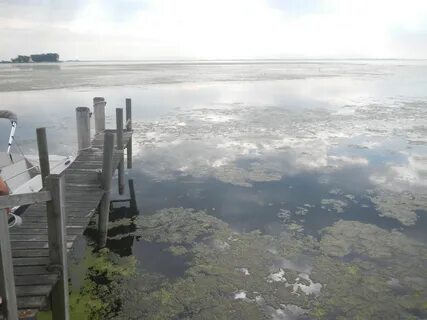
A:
44,57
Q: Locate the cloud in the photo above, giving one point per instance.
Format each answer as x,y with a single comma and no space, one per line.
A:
207,29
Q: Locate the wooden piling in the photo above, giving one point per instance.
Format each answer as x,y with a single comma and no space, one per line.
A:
99,112
9,308
83,128
56,221
43,154
129,128
107,170
121,167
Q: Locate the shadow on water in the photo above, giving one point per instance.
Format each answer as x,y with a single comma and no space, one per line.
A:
121,238
123,241
155,259
152,257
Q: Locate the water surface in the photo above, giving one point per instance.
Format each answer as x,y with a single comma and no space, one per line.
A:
299,150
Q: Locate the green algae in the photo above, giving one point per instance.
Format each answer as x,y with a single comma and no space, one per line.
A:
251,275
178,250
215,287
178,226
346,237
99,274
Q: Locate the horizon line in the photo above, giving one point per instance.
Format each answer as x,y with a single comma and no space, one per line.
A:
240,59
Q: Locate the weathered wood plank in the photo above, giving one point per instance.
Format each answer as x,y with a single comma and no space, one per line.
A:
26,253
119,136
99,112
7,283
83,127
79,225
25,280
56,214
107,171
36,302
38,231
31,261
15,200
128,136
32,270
33,220
36,237
43,154
33,244
33,290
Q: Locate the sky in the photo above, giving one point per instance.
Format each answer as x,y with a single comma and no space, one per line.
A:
214,29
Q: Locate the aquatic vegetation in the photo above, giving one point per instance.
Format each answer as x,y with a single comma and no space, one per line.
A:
96,291
334,205
253,275
352,237
402,206
178,226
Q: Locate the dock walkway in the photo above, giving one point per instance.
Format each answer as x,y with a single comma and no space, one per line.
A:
83,193
33,256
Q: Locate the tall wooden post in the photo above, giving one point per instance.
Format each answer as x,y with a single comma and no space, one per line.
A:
57,239
107,171
43,154
121,166
129,128
9,308
83,127
99,112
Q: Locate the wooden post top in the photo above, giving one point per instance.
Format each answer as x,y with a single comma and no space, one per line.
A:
82,109
99,101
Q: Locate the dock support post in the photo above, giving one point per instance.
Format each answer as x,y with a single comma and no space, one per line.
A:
107,171
99,112
129,128
43,154
83,128
9,308
57,239
121,166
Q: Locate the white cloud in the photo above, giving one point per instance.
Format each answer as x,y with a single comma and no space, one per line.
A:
215,29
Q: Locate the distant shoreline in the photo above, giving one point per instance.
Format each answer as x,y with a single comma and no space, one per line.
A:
34,58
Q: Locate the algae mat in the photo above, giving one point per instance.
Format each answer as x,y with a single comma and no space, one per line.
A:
351,271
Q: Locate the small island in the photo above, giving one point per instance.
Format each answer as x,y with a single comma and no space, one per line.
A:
44,57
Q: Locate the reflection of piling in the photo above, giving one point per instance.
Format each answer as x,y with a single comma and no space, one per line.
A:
132,200
107,169
122,237
133,205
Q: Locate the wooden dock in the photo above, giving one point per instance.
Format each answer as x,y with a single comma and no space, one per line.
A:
85,187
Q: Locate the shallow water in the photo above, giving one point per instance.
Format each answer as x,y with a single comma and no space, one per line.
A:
284,147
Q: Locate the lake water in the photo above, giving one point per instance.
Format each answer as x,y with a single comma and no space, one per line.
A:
278,189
